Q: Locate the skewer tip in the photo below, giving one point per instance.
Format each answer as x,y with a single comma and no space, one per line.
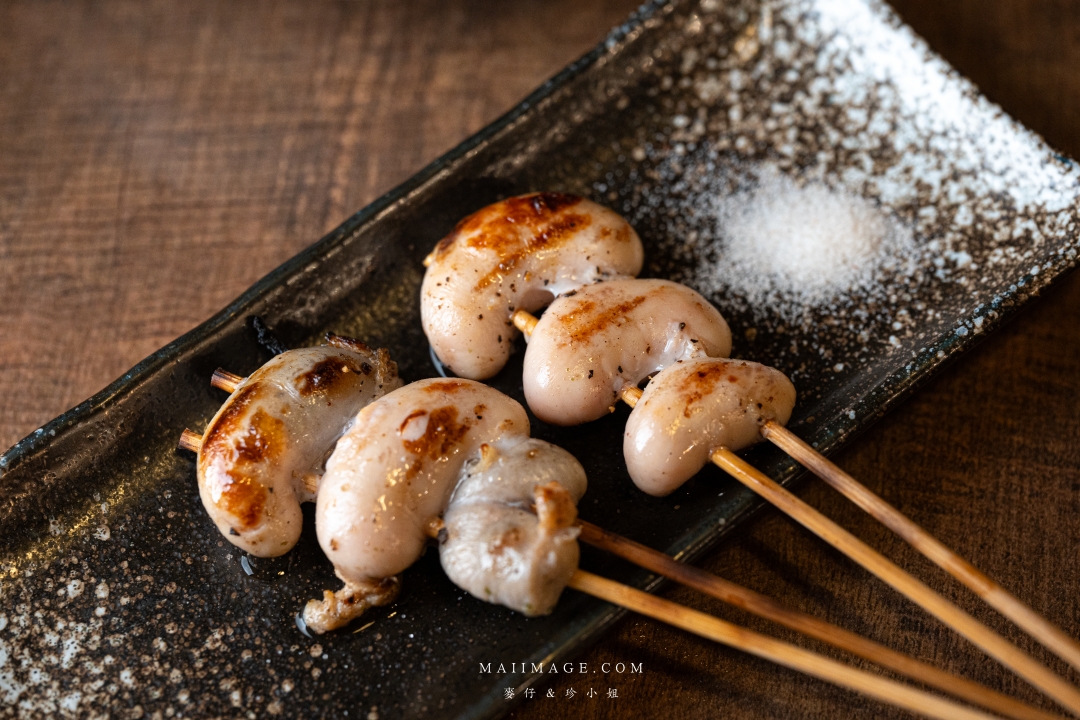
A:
434,527
225,380
525,322
190,440
630,394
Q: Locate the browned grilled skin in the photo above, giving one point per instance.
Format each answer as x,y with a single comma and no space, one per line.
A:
694,407
591,343
516,228
443,432
516,254
262,453
393,472
243,441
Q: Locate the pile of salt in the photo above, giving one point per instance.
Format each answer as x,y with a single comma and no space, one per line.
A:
791,247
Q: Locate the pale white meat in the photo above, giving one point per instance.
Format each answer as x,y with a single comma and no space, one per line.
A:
263,452
516,254
509,536
593,341
697,406
391,476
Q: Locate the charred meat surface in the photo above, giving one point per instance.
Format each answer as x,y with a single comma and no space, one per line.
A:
516,254
263,452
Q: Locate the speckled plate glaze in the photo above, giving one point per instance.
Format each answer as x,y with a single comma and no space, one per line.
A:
118,597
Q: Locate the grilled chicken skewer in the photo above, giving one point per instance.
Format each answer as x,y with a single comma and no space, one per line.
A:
458,450
593,342
691,417
517,253
586,351
263,452
485,519
491,542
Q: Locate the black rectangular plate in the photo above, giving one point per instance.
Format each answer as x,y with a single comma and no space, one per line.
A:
116,592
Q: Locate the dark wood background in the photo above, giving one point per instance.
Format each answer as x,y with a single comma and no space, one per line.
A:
158,158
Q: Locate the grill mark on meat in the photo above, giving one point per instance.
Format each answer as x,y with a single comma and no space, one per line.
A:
443,432
329,376
513,245
263,440
245,442
216,441
446,386
584,321
699,384
515,229
244,498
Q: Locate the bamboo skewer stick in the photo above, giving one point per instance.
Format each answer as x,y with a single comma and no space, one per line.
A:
788,655
993,644
710,584
768,648
769,609
190,441
712,628
525,322
982,636
1037,674
225,380
997,597
630,394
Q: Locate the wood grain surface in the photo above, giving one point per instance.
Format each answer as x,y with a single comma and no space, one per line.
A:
158,158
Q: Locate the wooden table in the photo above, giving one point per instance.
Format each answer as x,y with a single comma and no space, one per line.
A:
156,159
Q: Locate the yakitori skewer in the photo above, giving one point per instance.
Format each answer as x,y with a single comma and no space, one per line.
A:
253,475
982,636
997,597
505,459
740,638
516,253
763,606
782,653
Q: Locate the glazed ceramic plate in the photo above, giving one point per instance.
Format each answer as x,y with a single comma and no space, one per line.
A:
116,592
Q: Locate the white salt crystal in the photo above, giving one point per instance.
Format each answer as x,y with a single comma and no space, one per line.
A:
794,247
